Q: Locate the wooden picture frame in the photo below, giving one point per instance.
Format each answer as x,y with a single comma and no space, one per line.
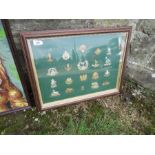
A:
58,60
13,90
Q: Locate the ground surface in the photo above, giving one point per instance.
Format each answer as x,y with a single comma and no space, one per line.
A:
133,112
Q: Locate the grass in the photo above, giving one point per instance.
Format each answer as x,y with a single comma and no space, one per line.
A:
132,112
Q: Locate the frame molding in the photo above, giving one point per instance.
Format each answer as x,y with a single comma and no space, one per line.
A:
65,32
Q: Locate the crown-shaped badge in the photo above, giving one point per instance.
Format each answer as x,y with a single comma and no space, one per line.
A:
83,77
68,81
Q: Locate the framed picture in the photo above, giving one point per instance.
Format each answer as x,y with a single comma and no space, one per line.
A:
69,66
12,87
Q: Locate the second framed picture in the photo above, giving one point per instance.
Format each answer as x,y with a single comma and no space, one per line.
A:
13,90
69,66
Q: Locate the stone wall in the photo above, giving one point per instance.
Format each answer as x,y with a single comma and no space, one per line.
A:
141,56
